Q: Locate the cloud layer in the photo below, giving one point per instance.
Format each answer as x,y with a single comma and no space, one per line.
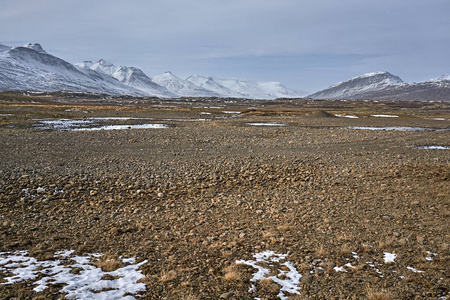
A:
308,45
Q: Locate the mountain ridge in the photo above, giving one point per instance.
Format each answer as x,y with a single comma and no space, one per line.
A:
386,86
30,67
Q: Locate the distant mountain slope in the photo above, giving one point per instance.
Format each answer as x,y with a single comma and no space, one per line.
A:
182,87
438,90
211,85
132,77
258,90
357,86
31,68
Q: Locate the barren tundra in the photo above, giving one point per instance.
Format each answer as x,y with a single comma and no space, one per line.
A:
209,199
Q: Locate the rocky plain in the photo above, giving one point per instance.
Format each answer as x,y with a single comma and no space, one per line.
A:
228,199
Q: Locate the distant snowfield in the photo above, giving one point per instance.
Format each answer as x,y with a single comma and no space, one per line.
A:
267,124
384,116
80,277
395,128
434,147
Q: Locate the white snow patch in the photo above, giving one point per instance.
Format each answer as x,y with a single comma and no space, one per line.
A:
389,257
267,124
347,116
414,270
430,256
384,116
231,112
434,147
86,284
121,127
289,285
395,128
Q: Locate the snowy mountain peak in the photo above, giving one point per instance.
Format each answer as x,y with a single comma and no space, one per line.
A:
445,77
103,62
356,87
85,64
35,46
4,48
381,76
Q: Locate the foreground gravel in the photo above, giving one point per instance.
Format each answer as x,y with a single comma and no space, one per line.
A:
194,198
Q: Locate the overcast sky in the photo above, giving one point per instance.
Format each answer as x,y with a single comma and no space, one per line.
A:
306,44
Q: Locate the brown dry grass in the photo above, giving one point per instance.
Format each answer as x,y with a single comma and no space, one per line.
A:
231,274
269,287
109,263
167,276
375,294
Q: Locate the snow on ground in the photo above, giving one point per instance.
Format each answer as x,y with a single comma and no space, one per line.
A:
434,147
384,116
292,277
395,128
121,127
269,262
80,277
347,116
389,257
267,124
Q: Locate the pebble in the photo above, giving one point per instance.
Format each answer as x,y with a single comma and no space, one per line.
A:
226,295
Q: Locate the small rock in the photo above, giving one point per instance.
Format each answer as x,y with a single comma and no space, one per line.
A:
160,195
226,295
420,239
306,279
327,265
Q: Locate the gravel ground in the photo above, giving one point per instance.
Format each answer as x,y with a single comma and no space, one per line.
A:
196,197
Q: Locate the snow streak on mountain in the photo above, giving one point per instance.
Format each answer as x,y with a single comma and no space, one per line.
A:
358,86
385,86
30,67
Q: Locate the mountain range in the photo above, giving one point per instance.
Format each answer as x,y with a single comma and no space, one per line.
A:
30,67
385,86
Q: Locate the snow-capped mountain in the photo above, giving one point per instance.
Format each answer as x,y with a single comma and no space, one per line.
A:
429,90
4,48
29,67
357,87
385,86
130,76
445,77
182,87
209,84
244,89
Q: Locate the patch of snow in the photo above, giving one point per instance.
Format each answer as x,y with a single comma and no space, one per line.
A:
347,116
389,257
395,128
289,285
86,284
435,147
414,270
122,127
384,116
430,256
267,124
231,112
